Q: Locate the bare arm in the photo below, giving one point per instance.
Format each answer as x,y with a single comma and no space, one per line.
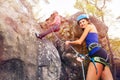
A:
82,38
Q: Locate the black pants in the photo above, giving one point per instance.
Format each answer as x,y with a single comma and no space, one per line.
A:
101,53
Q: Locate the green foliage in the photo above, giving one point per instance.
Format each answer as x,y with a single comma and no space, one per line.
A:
79,5
115,44
92,7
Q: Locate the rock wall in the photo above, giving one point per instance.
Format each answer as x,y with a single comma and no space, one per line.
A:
20,50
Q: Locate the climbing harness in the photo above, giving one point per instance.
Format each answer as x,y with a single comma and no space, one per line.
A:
93,45
101,60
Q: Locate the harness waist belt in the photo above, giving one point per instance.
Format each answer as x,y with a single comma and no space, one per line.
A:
93,45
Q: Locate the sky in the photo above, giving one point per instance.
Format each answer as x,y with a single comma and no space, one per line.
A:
114,7
62,6
42,11
114,27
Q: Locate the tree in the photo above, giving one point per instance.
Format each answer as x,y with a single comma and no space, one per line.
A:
93,7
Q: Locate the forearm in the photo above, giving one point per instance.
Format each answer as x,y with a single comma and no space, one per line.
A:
75,42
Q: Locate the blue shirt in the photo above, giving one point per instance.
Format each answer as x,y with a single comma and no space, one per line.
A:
92,38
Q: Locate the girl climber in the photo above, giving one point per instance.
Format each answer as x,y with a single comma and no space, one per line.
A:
96,52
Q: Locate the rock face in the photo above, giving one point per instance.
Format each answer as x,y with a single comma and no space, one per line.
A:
21,54
49,63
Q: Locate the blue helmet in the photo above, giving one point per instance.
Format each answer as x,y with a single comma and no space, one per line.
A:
82,16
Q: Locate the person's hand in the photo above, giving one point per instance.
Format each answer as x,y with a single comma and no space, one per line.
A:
67,43
79,59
